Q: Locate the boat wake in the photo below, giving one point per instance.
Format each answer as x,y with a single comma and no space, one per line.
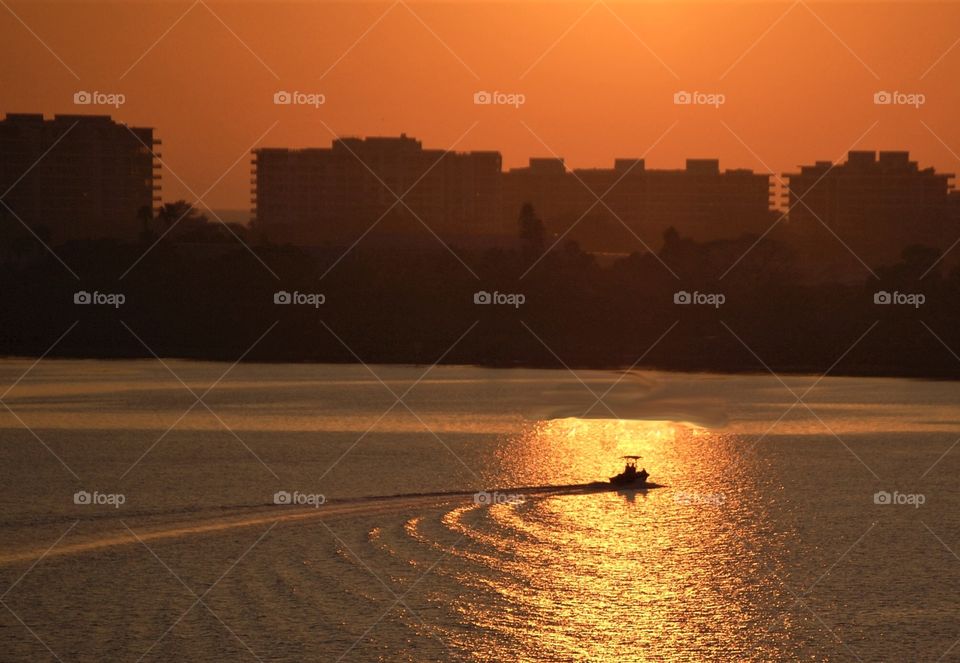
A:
272,514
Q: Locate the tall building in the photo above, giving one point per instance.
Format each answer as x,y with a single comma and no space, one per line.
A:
76,176
336,194
699,201
876,206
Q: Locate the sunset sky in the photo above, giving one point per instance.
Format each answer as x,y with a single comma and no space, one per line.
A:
598,78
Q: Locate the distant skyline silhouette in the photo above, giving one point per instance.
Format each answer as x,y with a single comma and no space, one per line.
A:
87,177
798,85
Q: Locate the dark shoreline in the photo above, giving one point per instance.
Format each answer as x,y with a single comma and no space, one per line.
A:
220,302
790,371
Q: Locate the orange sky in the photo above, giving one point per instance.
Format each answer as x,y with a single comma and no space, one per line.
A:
598,78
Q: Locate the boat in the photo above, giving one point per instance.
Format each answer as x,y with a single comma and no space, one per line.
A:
630,477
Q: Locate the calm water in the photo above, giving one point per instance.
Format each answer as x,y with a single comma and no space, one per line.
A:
766,542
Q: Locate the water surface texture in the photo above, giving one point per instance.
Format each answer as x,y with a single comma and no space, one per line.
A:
802,519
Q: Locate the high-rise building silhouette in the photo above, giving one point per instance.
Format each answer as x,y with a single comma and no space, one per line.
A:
336,194
876,206
615,209
87,177
76,176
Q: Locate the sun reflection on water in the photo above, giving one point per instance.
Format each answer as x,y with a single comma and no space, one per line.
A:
623,573
563,451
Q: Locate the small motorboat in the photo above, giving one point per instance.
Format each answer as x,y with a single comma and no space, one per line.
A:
630,477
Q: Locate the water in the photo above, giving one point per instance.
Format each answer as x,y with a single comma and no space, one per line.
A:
765,543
